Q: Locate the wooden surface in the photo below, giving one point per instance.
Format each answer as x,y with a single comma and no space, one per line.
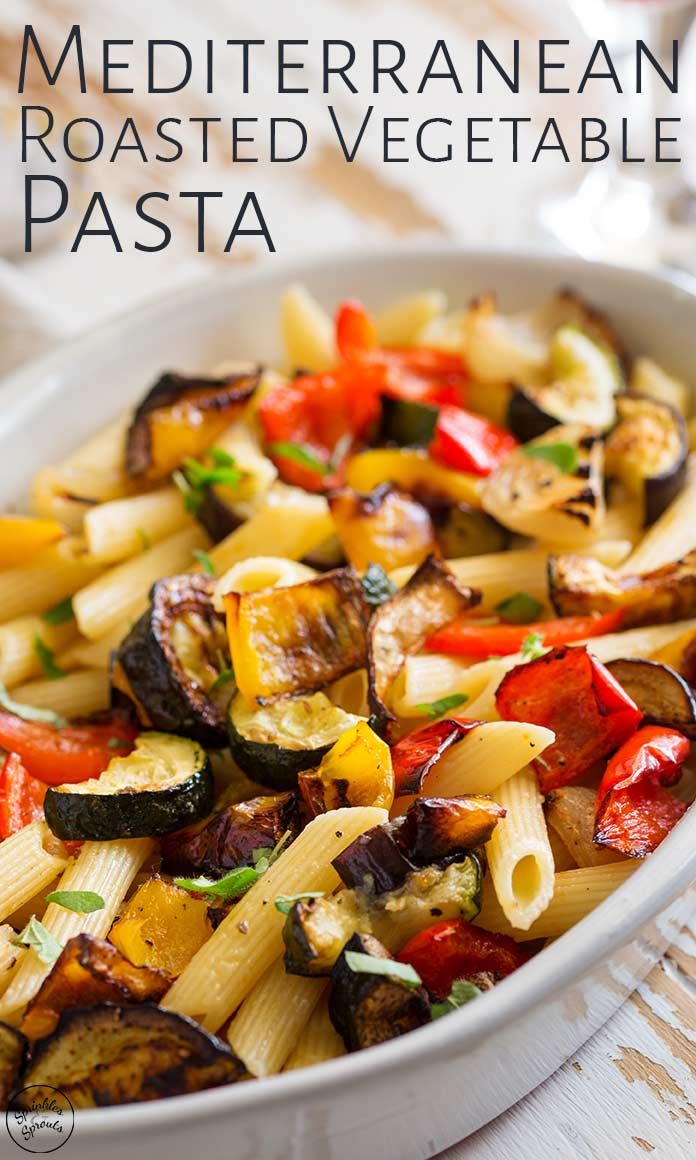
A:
632,1089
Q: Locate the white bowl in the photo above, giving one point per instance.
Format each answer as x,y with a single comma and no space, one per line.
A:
414,1096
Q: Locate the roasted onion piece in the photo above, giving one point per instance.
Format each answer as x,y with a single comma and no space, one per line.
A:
579,585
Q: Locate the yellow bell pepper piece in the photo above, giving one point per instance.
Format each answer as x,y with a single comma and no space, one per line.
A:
22,537
363,760
412,470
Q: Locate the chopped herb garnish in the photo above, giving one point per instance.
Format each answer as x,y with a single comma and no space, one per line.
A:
39,939
204,560
30,712
192,498
239,880
194,477
142,535
222,678
60,613
462,992
285,902
298,453
532,646
377,587
340,451
519,609
369,965
438,708
52,671
118,743
81,901
563,455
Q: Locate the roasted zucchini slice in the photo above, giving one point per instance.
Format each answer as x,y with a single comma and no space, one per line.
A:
386,527
430,599
368,1008
13,1050
100,1056
533,493
296,639
164,784
316,930
579,585
661,694
174,658
585,378
407,423
461,530
231,836
648,452
182,416
272,743
89,971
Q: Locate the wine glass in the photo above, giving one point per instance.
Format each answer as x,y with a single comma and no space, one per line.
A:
641,214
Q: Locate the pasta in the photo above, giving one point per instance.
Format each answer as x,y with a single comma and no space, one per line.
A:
74,695
116,530
519,853
290,523
272,1018
26,867
318,1043
20,655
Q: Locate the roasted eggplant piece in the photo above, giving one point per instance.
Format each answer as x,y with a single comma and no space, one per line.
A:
231,836
377,862
430,599
534,494
272,743
181,416
173,660
661,694
648,452
407,423
461,530
164,784
161,926
386,527
296,639
100,1056
357,771
13,1050
585,377
89,971
316,930
367,1008
579,585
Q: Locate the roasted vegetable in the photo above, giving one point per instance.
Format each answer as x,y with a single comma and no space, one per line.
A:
296,639
21,797
356,771
635,811
468,442
579,585
103,1055
434,830
570,813
173,659
569,691
181,417
415,754
162,927
412,471
368,1008
386,527
584,379
231,836
22,537
648,452
272,743
317,929
551,488
464,531
430,599
406,422
89,971
464,637
661,694
164,784
67,753
454,949
13,1050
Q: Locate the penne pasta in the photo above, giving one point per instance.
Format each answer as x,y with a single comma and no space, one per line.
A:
127,527
520,858
74,695
307,331
45,583
26,867
400,323
10,956
260,572
672,535
289,524
271,1019
248,940
107,869
350,693
21,643
319,1041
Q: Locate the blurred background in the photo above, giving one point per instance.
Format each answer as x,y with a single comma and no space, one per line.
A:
637,214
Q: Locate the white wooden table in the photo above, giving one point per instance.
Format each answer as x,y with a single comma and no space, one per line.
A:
632,1089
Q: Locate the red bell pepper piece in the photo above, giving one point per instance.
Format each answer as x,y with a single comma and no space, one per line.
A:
21,797
455,949
415,755
569,691
634,809
468,442
73,753
464,637
356,333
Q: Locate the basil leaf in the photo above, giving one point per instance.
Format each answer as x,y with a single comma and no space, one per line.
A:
204,560
377,587
563,455
39,939
193,498
438,708
81,901
118,743
462,992
285,902
519,609
60,613
145,541
52,671
232,886
222,679
220,457
533,646
369,965
199,475
30,712
298,453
